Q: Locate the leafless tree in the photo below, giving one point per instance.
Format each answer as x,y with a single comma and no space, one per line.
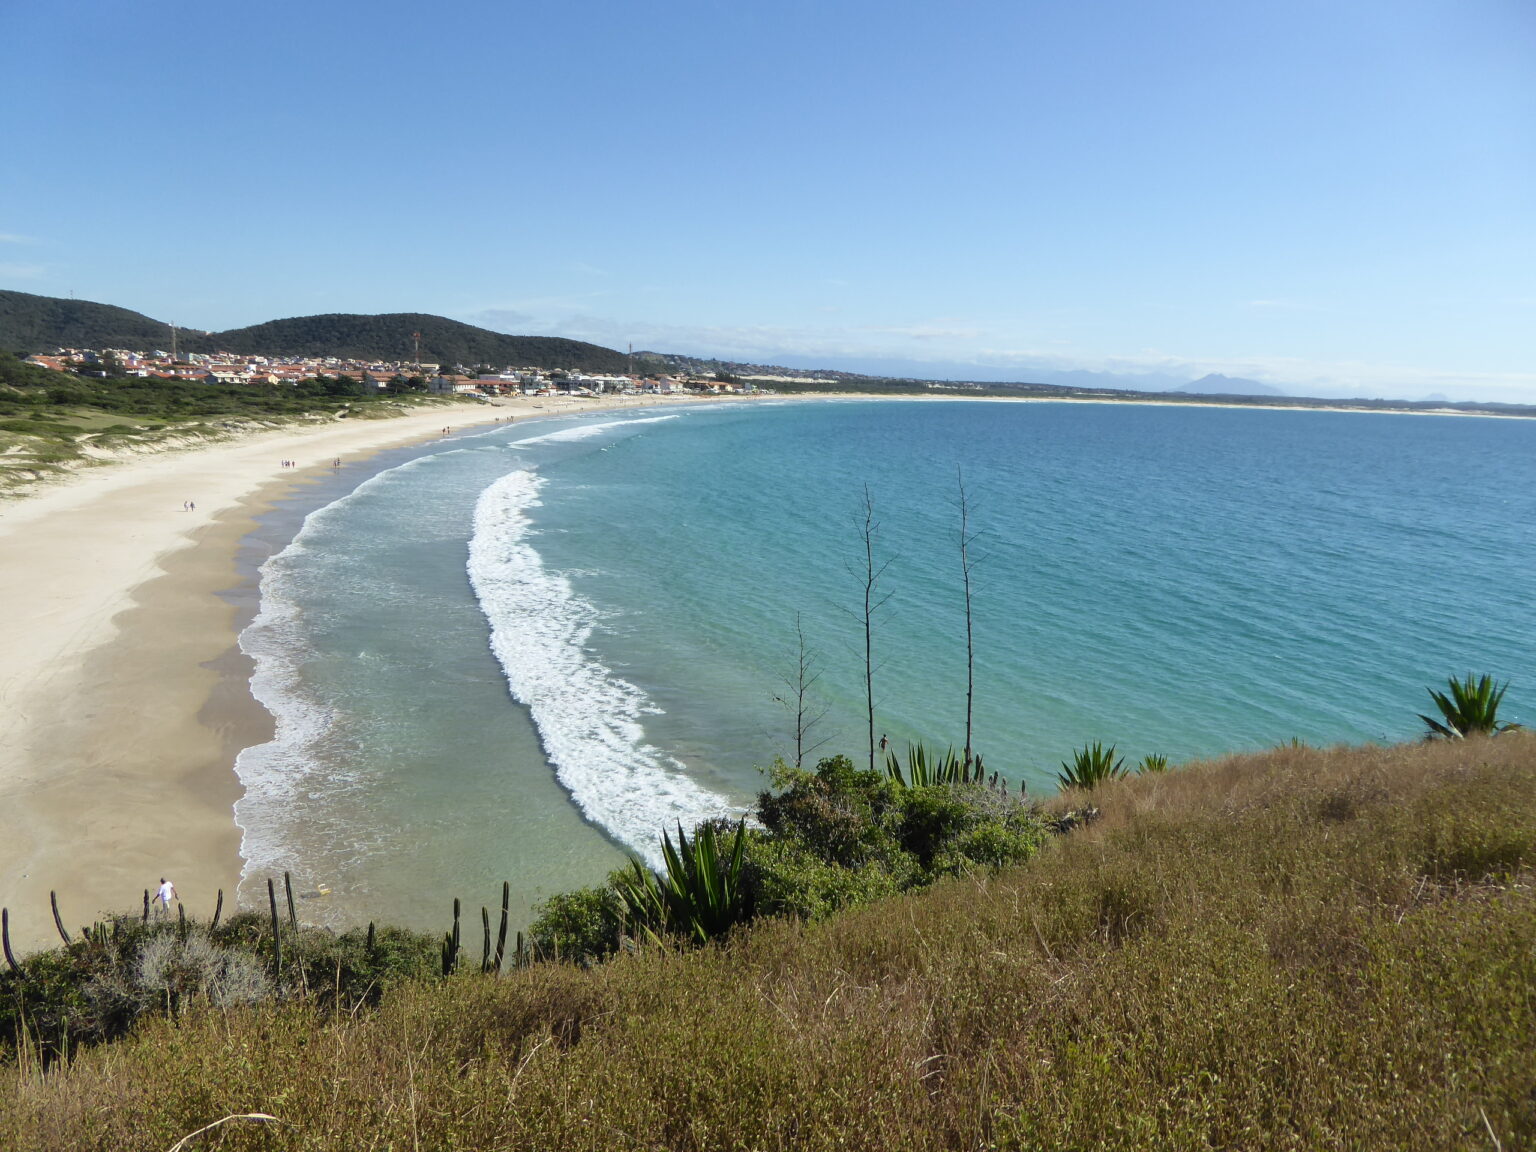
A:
869,576
799,683
967,538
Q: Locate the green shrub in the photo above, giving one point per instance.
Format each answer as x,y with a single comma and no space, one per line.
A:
1469,708
1091,765
587,923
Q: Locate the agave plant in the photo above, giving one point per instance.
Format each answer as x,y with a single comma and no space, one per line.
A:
924,768
1091,765
1153,762
700,895
1470,708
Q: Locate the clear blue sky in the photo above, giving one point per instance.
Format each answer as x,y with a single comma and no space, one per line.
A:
1339,197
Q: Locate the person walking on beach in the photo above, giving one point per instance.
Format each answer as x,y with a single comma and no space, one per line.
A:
165,894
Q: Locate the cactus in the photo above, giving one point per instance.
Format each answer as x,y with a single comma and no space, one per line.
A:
373,939
58,921
5,941
218,910
277,939
485,939
293,916
501,934
146,905
451,943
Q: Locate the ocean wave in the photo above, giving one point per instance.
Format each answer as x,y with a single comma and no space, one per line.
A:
588,718
587,431
278,777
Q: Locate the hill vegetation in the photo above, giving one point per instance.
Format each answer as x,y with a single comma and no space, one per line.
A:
31,323
1301,949
52,422
388,337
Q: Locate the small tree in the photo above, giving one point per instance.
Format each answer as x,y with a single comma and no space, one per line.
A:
799,682
1469,708
869,577
966,540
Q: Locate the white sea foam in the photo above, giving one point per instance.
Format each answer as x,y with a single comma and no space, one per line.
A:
587,431
278,776
589,719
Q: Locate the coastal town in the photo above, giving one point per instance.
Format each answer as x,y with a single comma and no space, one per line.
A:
419,376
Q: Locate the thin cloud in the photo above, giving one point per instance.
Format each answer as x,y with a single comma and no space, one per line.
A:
23,271
15,238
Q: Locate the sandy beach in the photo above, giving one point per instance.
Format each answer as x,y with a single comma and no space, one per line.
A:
122,698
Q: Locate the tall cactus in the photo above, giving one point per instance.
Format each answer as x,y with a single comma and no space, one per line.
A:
451,943
277,938
501,934
218,910
293,916
5,941
58,921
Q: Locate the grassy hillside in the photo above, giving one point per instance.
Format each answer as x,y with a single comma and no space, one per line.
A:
1305,949
41,323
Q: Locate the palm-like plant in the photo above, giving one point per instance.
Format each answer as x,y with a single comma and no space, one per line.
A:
1469,708
701,894
924,768
1091,765
1153,762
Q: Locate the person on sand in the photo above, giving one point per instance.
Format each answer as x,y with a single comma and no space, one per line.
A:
165,894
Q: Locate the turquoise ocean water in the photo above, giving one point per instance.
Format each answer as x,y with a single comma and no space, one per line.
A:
520,653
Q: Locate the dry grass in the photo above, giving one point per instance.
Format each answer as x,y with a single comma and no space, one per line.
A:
1308,949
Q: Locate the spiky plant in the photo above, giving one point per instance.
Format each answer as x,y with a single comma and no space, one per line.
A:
1090,766
1469,708
1153,762
701,894
925,768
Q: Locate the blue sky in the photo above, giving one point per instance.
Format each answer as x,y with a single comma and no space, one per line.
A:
1340,198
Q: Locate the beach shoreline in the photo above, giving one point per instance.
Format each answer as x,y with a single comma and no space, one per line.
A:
124,698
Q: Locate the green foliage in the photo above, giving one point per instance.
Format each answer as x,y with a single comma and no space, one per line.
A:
788,878
699,896
1091,765
925,768
588,922
827,839
1469,708
1152,762
101,986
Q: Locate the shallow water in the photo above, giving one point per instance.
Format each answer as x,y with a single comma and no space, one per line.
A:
518,653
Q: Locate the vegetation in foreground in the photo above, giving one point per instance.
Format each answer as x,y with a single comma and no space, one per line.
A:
1302,949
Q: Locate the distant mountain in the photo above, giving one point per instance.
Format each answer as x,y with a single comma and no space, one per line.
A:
42,323
1216,384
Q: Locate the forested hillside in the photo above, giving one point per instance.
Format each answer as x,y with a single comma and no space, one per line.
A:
31,323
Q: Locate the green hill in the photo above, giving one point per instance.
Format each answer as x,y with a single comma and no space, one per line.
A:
388,337
31,323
